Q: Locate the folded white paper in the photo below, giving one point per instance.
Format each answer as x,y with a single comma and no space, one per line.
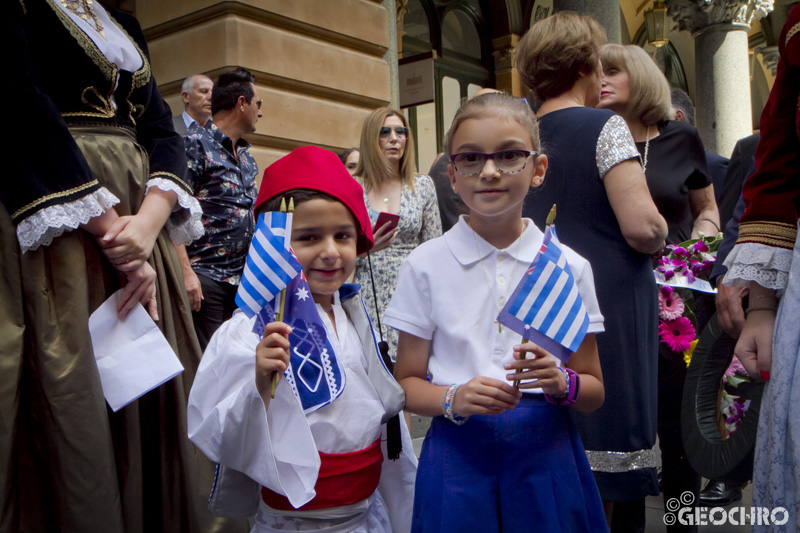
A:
133,357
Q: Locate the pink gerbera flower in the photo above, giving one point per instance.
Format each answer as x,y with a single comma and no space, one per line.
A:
670,304
678,334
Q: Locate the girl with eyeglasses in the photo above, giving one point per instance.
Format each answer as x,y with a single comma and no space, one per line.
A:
497,457
386,171
606,214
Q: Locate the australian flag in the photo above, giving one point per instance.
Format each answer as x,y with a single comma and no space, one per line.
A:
546,306
314,373
270,263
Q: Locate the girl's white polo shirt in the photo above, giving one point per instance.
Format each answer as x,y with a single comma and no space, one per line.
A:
443,295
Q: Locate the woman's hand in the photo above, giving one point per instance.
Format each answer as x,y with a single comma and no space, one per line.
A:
730,310
384,238
129,242
272,355
130,239
140,288
754,348
485,396
541,367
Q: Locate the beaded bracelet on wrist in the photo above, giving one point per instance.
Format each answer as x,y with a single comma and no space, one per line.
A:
570,396
448,399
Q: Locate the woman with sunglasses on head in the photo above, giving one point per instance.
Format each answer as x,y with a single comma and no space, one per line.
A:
605,214
386,171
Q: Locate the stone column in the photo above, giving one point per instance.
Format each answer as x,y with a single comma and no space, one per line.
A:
606,12
396,10
722,90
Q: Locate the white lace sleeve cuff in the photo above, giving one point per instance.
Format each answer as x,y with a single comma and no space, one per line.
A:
185,224
614,145
766,265
46,224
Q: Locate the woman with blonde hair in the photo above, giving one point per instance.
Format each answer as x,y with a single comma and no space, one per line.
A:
386,171
605,213
672,152
675,165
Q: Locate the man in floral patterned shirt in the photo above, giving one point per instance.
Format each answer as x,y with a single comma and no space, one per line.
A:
222,174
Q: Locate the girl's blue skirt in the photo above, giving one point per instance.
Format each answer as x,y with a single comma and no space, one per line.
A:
524,470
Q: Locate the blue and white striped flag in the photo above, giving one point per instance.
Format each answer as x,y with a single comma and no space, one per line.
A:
270,263
546,306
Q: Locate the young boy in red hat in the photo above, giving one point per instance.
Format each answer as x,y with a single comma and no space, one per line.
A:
320,468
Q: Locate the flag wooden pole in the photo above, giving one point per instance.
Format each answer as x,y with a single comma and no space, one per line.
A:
551,219
280,308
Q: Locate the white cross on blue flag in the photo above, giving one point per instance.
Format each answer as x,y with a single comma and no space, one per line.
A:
270,263
546,306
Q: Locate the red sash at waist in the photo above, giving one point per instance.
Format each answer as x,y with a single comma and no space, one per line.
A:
344,479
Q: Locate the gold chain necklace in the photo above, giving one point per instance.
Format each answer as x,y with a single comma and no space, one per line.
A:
84,10
486,276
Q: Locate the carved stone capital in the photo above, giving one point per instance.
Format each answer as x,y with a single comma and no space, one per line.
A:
695,15
771,55
504,59
505,51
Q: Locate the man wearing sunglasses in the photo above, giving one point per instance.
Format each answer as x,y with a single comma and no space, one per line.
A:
222,174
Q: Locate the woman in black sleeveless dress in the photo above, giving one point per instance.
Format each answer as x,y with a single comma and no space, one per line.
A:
605,214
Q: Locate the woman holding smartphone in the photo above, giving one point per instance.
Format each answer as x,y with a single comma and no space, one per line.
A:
401,204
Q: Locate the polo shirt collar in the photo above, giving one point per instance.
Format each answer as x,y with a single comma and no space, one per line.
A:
462,243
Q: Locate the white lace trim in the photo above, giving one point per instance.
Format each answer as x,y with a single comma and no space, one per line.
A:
183,228
766,265
44,225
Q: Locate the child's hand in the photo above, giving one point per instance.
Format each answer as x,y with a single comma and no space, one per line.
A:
485,396
539,365
272,355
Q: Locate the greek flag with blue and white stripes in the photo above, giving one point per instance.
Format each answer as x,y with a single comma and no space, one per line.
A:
546,307
270,263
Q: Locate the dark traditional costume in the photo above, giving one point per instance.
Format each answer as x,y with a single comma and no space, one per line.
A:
86,135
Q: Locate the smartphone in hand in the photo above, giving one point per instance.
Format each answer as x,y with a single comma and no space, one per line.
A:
384,218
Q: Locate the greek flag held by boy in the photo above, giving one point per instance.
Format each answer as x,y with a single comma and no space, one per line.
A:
546,307
314,373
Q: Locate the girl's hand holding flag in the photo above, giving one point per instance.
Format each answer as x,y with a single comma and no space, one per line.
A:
541,368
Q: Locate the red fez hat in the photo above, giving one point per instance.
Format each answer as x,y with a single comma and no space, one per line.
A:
317,169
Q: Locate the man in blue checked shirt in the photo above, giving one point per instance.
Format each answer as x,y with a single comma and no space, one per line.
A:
222,174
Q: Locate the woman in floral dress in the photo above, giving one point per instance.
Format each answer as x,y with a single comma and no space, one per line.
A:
386,171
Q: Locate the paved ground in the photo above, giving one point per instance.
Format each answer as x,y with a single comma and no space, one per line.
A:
654,504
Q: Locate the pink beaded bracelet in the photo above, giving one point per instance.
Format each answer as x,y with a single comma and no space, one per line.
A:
570,396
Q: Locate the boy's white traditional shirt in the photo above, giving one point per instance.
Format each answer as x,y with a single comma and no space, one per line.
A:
279,447
451,289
